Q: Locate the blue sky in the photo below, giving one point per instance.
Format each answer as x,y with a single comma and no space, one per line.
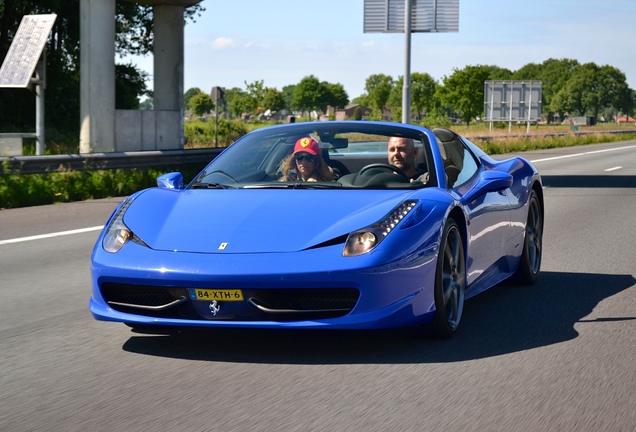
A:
282,41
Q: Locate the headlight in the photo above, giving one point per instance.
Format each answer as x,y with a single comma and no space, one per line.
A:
365,240
118,234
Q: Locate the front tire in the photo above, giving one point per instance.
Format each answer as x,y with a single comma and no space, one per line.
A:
530,263
450,283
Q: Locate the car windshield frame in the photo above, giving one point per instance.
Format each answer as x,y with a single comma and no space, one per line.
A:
254,160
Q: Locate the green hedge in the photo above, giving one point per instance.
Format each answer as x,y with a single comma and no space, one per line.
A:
22,190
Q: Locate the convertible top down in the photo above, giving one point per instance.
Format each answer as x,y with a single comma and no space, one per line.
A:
253,241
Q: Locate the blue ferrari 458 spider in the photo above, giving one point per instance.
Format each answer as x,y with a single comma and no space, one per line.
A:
322,225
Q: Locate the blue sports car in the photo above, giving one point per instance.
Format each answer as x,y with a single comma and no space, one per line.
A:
322,225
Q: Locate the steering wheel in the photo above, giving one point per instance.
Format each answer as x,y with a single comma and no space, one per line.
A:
385,166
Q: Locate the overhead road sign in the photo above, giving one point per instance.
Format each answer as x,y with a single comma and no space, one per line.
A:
26,49
410,16
427,16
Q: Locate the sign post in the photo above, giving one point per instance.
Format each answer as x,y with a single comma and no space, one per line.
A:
217,93
26,57
512,101
410,16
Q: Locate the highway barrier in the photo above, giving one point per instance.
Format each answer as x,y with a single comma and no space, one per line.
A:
163,158
104,161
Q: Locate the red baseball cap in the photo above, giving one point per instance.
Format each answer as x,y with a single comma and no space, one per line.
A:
307,144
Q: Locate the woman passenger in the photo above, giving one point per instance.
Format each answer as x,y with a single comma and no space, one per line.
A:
305,163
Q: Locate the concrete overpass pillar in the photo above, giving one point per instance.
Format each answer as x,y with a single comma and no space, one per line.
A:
97,76
168,60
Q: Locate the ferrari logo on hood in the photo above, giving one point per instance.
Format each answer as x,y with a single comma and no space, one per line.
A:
222,246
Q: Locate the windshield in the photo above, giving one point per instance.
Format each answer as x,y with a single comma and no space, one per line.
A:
323,155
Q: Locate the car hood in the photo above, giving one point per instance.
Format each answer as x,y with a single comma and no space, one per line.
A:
253,221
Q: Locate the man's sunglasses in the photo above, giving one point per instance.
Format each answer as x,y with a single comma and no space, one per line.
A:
307,157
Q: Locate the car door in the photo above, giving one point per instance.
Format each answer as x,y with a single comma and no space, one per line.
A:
489,223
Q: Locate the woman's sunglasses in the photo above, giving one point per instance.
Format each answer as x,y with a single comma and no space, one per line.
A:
307,157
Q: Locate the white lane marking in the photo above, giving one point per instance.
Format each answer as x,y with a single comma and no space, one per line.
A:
581,154
613,169
45,236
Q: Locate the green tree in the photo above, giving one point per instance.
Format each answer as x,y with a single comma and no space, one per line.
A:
463,90
592,88
146,104
309,94
288,95
618,97
134,25
423,99
423,89
255,92
273,100
130,83
189,93
554,75
238,101
394,102
378,88
499,73
201,103
62,106
336,95
363,99
357,113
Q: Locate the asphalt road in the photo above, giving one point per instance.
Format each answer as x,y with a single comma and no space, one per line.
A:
557,356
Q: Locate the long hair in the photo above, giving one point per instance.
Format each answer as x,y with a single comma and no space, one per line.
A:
289,170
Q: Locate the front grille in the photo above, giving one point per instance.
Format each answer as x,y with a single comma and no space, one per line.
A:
305,304
293,304
138,295
146,296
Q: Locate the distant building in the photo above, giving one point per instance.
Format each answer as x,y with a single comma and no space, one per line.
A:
625,119
583,121
347,112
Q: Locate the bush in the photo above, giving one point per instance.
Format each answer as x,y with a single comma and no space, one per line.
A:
435,120
199,134
22,190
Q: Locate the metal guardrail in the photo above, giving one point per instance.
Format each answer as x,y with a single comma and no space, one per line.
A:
97,161
551,134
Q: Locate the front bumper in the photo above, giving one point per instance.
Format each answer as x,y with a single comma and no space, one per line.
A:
309,289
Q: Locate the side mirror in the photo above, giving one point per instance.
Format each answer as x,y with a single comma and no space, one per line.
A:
489,181
173,180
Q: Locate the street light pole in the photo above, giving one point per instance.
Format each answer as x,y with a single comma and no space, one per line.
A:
406,91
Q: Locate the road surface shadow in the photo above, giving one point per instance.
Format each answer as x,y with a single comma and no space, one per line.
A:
502,320
589,181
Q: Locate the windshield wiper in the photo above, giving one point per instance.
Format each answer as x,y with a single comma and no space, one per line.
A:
212,186
293,185
316,185
269,186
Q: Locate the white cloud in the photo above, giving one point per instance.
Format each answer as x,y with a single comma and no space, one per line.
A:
223,42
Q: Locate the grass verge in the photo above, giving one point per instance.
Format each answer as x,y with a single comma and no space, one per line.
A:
22,190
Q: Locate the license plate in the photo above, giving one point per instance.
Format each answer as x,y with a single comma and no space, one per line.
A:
216,294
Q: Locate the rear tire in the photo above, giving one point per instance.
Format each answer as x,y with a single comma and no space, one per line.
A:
530,263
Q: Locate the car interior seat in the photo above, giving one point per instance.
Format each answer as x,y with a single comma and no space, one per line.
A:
339,169
452,172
